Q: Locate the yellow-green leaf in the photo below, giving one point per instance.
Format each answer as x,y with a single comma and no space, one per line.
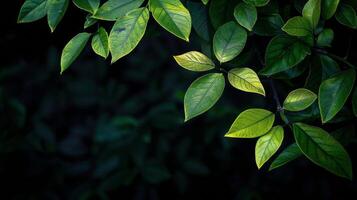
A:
297,26
173,16
268,144
246,79
100,43
112,10
251,123
127,33
194,61
299,99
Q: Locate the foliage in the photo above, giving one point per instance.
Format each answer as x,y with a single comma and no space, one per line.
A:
233,39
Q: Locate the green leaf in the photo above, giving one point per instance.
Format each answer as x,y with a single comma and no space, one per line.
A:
194,61
328,8
245,79
72,49
32,10
299,99
322,149
202,94
220,11
289,154
205,2
257,3
89,21
229,41
251,123
346,15
127,32
333,93
297,26
283,52
354,102
113,9
173,16
325,38
268,144
87,5
269,25
246,15
55,12
311,11
100,43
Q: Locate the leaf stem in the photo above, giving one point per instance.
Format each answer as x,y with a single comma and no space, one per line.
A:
279,108
336,57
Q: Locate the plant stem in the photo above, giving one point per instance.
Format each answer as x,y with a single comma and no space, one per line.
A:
336,57
279,108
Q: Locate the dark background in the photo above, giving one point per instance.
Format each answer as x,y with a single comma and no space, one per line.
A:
102,131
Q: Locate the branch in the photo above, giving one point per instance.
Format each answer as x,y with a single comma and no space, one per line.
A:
336,57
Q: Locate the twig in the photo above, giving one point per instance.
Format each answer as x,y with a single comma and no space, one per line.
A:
336,57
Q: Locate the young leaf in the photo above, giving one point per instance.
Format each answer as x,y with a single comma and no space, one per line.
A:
205,2
55,12
346,15
334,92
328,8
229,41
111,10
299,99
32,10
283,52
289,154
246,15
297,26
251,123
87,5
322,149
325,38
100,43
354,102
72,50
257,3
202,94
194,61
311,11
127,33
173,16
245,79
268,144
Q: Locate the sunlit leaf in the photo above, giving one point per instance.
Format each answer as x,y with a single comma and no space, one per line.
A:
194,61
246,79
111,10
299,99
311,11
100,43
202,94
251,123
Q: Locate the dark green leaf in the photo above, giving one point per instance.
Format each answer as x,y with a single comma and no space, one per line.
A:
346,15
246,15
32,10
328,8
289,154
297,26
55,12
87,5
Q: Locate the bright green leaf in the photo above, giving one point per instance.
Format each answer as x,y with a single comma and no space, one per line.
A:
229,41
257,3
87,5
202,94
246,79
205,1
32,10
283,52
311,11
299,99
268,144
127,33
194,61
297,26
346,15
246,15
322,149
328,8
251,123
55,12
173,16
325,38
289,154
100,43
111,10
333,93
72,49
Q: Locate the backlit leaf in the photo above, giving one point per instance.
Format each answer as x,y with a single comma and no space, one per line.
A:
100,43
299,99
246,79
111,10
194,61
